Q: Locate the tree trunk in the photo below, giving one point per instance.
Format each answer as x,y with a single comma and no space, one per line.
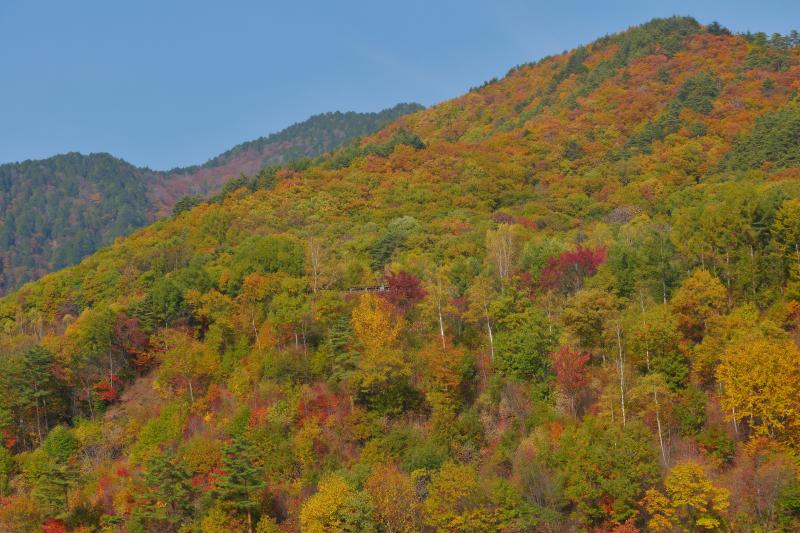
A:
797,254
644,323
658,424
621,368
733,414
255,332
46,423
38,423
441,324
491,336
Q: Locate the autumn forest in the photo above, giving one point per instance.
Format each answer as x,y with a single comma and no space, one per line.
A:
567,300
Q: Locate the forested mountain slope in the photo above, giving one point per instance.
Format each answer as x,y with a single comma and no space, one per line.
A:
56,211
591,323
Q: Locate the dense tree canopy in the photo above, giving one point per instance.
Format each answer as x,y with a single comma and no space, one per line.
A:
568,300
56,211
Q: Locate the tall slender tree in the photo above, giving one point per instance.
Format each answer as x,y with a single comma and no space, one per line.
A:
241,479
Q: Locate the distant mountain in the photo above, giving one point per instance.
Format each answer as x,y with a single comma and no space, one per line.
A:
55,211
315,136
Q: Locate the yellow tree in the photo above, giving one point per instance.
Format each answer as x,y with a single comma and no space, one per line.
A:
740,325
760,381
695,498
701,296
383,369
337,506
691,501
185,361
587,316
457,501
375,324
255,289
442,385
394,498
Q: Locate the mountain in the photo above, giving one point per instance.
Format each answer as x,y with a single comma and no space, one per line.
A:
54,212
311,138
568,300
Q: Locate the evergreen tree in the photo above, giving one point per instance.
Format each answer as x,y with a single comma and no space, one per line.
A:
52,469
40,384
167,498
343,360
241,479
7,467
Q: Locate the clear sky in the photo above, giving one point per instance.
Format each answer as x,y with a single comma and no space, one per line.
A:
164,83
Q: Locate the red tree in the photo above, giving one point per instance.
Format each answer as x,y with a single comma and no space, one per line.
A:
108,391
503,218
570,369
405,290
54,526
132,341
566,272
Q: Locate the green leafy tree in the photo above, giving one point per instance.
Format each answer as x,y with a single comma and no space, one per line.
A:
653,339
524,344
166,302
786,229
587,315
605,469
459,500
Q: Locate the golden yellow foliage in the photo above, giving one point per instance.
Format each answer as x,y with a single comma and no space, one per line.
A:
699,297
691,500
761,382
375,324
394,498
457,502
336,507
218,521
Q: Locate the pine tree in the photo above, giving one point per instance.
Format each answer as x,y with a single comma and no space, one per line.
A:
241,479
7,467
39,385
167,499
52,469
343,360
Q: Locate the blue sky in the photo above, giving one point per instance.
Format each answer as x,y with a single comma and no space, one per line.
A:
167,83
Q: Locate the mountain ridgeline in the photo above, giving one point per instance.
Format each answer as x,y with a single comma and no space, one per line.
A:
56,211
590,320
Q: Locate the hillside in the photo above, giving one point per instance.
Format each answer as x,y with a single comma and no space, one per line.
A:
308,139
56,211
591,322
